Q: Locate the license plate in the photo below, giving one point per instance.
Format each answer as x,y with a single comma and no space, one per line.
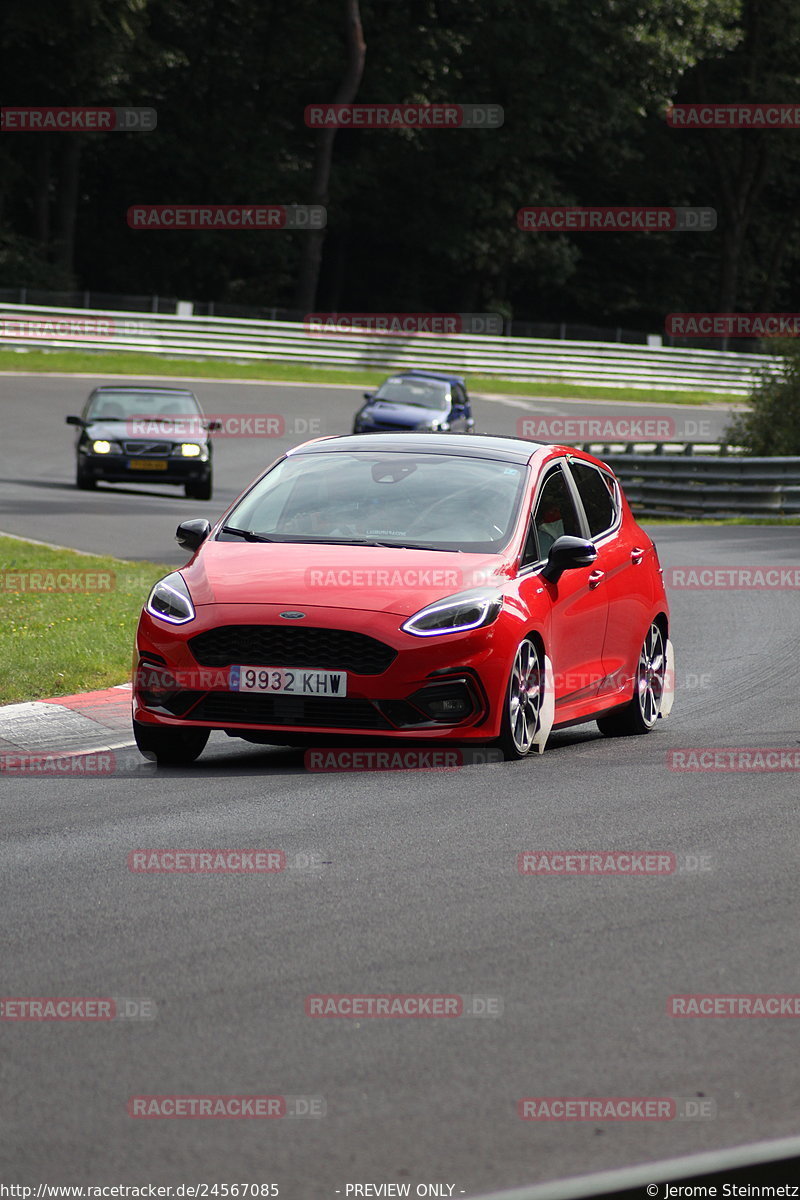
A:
147,464
288,680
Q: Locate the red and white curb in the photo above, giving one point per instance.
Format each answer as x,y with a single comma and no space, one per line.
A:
86,723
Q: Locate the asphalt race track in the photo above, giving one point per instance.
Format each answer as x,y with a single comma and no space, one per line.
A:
38,497
417,891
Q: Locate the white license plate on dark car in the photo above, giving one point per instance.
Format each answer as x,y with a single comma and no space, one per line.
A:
290,681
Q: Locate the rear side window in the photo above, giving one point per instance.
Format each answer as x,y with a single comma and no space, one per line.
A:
596,496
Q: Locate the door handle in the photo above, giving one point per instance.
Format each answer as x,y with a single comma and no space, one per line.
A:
595,578
637,554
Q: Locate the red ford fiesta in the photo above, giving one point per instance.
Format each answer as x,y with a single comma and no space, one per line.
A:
470,589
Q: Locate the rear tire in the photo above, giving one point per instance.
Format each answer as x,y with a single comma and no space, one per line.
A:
170,747
202,490
523,702
641,714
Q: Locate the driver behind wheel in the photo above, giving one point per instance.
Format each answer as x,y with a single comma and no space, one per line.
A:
549,526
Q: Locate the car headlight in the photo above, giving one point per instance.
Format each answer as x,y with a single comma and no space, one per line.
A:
103,447
456,614
170,600
189,449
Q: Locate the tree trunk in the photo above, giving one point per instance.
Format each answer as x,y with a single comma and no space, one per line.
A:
312,242
41,199
68,204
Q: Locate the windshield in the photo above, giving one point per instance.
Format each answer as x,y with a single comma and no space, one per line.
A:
423,393
122,405
433,500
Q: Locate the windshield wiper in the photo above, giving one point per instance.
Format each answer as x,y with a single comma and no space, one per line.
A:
248,534
419,546
342,541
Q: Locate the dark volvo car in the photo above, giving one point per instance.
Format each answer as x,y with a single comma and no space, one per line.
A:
418,401
144,435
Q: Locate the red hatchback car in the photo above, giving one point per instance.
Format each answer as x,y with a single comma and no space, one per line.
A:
468,589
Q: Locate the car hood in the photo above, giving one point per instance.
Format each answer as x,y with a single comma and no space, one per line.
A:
118,431
367,578
404,416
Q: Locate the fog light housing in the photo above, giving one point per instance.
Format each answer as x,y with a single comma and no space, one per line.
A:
154,684
446,703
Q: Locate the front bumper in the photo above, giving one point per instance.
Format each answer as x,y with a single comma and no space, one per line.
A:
116,468
436,688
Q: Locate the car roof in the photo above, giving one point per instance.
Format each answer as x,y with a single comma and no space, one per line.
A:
439,376
459,445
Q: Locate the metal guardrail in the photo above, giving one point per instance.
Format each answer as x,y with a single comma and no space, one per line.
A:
598,364
675,481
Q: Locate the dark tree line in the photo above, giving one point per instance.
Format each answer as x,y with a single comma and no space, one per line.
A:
418,220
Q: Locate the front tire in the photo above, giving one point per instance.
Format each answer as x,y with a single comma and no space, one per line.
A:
83,480
523,702
170,747
641,714
202,490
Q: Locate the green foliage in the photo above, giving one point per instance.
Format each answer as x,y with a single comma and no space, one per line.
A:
418,220
771,426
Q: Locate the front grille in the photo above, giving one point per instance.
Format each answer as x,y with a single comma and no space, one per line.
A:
281,646
152,449
254,709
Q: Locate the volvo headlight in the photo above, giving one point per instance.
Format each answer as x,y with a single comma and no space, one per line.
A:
170,600
103,447
456,614
190,449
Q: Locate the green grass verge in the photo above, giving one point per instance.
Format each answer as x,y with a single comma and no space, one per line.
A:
54,643
151,366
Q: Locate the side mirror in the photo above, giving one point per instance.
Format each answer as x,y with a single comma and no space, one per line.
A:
567,554
369,395
214,424
73,420
192,534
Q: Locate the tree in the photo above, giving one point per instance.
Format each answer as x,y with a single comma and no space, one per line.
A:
771,426
311,254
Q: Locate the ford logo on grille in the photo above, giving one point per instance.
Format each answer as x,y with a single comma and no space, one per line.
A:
293,616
